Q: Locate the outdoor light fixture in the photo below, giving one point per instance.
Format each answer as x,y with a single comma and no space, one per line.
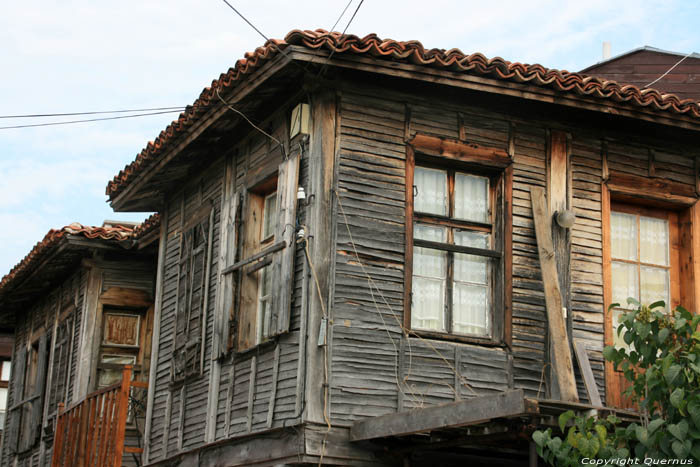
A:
565,219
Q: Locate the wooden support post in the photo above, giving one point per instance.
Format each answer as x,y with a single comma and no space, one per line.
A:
560,350
122,412
273,394
587,373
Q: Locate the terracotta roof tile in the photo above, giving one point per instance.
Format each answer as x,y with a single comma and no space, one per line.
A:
43,248
411,52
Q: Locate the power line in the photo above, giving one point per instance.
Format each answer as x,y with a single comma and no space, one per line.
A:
96,112
668,71
341,15
87,120
323,69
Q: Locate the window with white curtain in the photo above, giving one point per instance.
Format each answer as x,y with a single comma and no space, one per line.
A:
640,254
453,252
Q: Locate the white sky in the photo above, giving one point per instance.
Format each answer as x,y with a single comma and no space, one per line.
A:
70,56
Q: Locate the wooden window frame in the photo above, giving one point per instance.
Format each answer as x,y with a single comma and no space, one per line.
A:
495,164
651,198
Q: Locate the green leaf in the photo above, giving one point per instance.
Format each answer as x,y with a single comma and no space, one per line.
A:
655,424
602,434
610,353
538,437
663,335
680,323
564,419
677,397
681,448
695,450
659,304
679,430
642,435
671,373
632,301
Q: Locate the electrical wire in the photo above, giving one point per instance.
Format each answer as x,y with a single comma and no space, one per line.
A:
325,67
233,109
69,122
341,16
96,112
669,70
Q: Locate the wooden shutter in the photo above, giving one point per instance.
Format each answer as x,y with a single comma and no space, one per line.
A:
228,282
192,292
39,389
283,261
19,364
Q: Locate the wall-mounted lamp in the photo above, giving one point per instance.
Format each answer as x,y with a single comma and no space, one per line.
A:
565,219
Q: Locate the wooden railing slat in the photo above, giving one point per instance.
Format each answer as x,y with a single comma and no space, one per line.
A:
91,433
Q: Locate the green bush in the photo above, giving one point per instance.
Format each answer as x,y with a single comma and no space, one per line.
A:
663,365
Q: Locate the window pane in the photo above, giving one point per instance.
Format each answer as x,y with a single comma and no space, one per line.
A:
471,197
431,191
111,376
655,285
5,372
269,215
623,230
430,233
653,240
470,304
3,399
471,268
429,263
624,283
428,304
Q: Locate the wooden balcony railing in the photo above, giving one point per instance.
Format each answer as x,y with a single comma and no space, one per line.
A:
90,433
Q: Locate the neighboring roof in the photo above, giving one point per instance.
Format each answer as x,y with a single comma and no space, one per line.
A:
43,250
411,52
646,48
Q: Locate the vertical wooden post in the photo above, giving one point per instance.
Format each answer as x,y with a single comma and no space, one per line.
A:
560,351
121,414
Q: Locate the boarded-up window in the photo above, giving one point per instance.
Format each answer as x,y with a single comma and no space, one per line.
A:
61,361
190,328
262,280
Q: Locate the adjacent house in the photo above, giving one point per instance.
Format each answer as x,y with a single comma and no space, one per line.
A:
373,253
665,71
81,304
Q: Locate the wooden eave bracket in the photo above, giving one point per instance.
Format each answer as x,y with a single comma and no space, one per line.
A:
561,350
458,150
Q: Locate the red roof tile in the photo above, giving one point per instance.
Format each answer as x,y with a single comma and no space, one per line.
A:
412,52
42,249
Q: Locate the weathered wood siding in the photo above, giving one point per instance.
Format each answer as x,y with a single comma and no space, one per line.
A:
374,370
246,382
43,313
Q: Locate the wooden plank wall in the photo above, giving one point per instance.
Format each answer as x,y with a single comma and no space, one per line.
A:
43,312
247,382
374,370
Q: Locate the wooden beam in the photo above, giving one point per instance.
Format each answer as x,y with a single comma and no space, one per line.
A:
452,415
588,379
457,150
658,189
561,353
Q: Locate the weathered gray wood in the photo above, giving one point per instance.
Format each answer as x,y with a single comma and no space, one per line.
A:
452,415
251,392
88,329
273,393
277,246
205,293
181,418
168,418
19,362
285,231
560,352
229,399
588,379
301,357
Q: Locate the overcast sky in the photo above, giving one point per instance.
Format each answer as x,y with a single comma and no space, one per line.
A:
73,56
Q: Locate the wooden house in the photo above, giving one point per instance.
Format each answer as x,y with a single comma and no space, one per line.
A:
81,304
663,70
372,253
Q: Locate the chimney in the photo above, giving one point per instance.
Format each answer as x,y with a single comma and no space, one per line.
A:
606,50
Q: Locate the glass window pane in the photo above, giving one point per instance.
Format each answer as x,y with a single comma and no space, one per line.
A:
269,215
428,304
5,372
655,285
429,263
470,304
431,191
623,230
430,233
653,240
471,268
3,399
624,283
471,197
111,376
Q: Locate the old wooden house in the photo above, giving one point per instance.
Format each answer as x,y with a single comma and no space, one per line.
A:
372,253
81,304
